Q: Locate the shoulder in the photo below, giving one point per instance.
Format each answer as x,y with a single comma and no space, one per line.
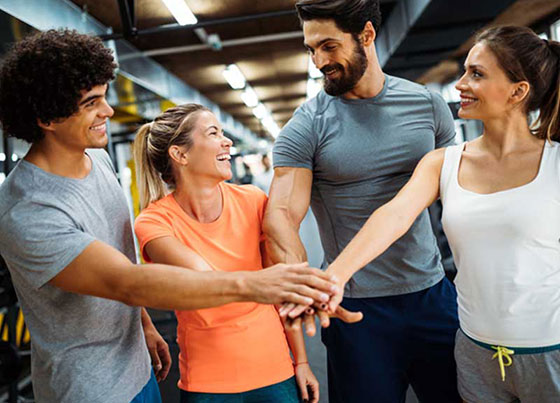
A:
400,86
160,210
101,157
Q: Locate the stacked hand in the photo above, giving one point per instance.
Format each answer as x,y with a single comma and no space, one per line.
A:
297,315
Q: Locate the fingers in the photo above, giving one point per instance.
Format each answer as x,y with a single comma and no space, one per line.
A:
307,291
156,363
297,310
318,280
165,358
346,315
314,388
302,385
309,323
323,318
285,309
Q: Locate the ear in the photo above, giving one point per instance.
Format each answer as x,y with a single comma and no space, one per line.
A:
520,92
368,34
45,126
178,154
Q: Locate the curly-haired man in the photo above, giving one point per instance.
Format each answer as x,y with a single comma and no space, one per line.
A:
67,238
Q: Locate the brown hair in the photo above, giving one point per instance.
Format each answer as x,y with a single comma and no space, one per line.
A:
153,168
524,56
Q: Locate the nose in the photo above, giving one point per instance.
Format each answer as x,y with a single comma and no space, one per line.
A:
227,142
461,84
319,59
106,111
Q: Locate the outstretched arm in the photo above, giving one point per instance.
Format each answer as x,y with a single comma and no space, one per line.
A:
390,221
103,271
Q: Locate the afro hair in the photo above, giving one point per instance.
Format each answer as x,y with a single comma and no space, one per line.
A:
42,77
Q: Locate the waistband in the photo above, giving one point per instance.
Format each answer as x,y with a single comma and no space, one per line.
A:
518,350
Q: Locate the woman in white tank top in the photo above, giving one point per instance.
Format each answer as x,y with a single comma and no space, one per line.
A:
501,214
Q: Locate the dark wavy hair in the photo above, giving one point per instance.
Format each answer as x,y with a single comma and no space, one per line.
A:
42,76
350,16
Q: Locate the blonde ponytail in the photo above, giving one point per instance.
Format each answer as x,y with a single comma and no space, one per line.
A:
150,185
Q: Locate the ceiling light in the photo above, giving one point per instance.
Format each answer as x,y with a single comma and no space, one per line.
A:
312,70
249,97
260,111
180,11
234,77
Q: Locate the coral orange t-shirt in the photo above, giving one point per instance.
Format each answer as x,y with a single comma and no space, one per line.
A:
239,346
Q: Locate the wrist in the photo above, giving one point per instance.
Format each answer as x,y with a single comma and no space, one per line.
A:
297,364
242,286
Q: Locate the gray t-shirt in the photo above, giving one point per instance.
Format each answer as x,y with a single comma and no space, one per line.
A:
83,348
361,153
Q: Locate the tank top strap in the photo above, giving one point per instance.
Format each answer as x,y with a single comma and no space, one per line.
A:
449,169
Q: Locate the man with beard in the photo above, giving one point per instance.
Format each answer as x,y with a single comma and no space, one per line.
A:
346,152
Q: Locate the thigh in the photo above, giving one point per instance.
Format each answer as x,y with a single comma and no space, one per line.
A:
433,325
149,393
478,376
367,360
537,377
198,397
283,392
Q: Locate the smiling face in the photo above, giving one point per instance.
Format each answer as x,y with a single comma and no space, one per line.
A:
486,91
87,128
337,54
209,155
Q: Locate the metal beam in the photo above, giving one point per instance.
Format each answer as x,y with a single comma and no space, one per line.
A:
143,71
227,43
202,24
398,24
128,20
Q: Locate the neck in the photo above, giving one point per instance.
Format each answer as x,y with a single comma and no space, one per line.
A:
508,134
371,83
200,199
59,159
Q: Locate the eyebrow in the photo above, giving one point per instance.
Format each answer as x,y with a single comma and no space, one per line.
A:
90,98
213,127
320,42
475,66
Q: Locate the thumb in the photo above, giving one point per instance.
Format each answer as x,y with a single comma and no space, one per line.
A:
347,316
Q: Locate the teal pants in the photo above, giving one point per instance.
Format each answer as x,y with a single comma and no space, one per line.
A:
283,392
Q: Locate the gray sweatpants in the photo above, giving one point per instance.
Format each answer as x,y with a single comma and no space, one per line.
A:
532,378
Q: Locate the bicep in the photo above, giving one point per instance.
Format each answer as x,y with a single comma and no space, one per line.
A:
290,192
171,251
100,270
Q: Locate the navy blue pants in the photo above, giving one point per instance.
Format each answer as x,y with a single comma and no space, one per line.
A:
403,340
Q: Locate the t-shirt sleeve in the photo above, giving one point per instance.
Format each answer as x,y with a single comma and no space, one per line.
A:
295,146
148,226
443,121
40,241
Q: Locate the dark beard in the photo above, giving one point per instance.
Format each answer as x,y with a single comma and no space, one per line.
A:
347,80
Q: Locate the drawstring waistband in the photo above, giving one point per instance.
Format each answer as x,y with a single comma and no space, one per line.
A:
501,353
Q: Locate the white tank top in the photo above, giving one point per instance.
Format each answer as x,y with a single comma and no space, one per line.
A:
506,247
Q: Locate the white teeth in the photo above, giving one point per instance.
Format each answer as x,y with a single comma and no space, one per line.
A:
223,157
99,127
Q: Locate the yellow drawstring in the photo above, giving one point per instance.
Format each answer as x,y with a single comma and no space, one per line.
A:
501,353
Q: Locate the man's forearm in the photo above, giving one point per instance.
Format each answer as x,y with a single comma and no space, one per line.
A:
164,287
283,244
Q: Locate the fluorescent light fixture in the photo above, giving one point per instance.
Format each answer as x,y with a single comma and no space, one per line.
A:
180,11
249,97
234,77
2,157
313,87
312,70
271,126
260,111
14,157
